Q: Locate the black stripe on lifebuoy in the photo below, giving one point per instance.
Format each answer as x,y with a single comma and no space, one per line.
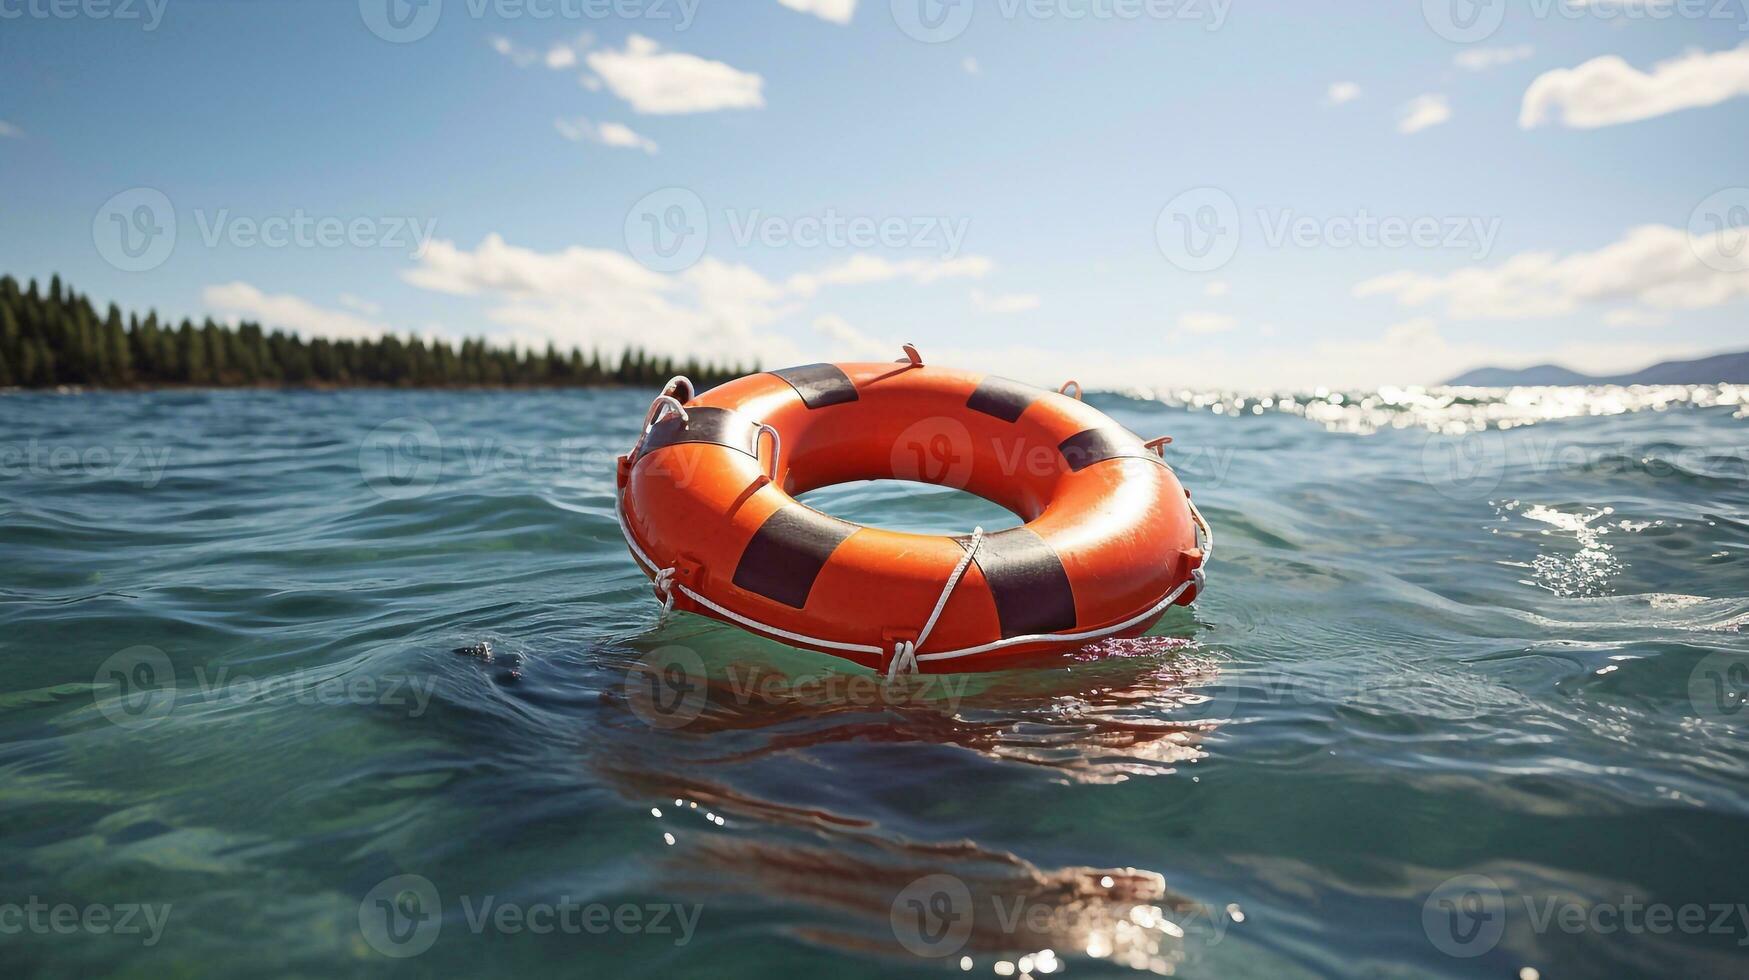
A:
1027,580
718,426
788,551
819,385
1083,449
1002,398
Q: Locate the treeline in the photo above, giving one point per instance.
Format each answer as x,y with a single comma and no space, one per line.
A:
59,338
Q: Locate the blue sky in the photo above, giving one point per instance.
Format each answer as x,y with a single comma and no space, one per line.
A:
1012,192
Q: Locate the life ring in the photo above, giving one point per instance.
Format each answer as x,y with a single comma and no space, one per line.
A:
707,504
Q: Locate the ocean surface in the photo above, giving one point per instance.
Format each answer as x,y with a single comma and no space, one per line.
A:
365,683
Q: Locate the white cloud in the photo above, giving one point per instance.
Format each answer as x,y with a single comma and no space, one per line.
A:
519,56
862,268
1608,91
850,344
1423,111
499,267
670,82
360,305
970,64
601,297
1217,288
559,57
1341,92
287,312
607,134
836,11
1482,59
1636,318
1004,302
1655,265
1200,322
9,131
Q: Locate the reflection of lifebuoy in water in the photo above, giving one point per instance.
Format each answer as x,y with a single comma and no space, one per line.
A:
707,503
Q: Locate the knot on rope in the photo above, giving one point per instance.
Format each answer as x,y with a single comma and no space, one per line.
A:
665,589
904,659
905,651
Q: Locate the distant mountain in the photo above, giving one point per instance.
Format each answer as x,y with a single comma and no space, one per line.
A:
1719,368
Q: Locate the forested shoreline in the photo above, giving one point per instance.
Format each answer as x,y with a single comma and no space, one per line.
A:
58,338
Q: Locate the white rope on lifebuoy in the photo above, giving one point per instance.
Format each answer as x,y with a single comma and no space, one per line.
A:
905,651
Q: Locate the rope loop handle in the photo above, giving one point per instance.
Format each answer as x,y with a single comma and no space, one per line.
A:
776,446
676,382
911,355
1158,445
1071,383
666,399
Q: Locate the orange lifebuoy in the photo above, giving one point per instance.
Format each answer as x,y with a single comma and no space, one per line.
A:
707,505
